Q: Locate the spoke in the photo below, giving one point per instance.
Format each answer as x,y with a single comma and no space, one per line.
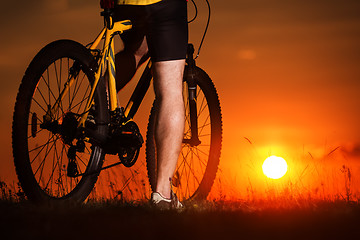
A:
61,107
204,135
31,113
184,157
43,161
41,130
88,150
183,164
187,132
77,86
190,170
54,159
80,160
43,146
203,106
61,102
197,160
187,176
47,151
79,103
190,149
206,122
201,163
196,153
59,82
180,174
58,78
71,95
206,154
48,85
39,105
195,176
86,96
41,94
191,155
61,182
200,159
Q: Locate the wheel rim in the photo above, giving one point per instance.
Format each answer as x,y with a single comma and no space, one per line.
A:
47,149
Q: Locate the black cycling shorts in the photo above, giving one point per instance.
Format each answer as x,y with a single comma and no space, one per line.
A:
164,24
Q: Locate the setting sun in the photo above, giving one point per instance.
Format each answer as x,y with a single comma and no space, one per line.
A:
274,167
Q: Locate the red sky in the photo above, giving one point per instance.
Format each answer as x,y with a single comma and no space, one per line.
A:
287,73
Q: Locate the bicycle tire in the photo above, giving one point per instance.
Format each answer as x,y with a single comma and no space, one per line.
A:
40,156
209,119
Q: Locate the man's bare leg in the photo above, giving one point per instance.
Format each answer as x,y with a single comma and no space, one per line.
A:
169,129
170,120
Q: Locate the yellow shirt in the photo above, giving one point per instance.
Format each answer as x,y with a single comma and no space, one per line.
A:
136,2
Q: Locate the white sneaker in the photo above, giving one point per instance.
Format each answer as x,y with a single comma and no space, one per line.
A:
163,203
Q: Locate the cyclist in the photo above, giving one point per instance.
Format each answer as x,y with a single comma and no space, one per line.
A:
160,31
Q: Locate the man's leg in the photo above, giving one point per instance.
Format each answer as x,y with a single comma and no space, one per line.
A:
128,61
170,120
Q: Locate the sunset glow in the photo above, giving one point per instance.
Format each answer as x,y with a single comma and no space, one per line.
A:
274,167
288,78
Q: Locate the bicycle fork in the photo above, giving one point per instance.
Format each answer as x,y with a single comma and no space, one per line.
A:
192,89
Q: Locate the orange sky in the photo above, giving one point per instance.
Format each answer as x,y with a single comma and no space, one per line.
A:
287,73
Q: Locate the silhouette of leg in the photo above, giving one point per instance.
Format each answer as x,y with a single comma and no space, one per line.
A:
127,62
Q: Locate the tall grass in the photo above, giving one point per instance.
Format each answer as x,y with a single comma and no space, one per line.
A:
11,193
312,179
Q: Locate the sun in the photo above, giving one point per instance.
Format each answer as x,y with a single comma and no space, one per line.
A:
274,167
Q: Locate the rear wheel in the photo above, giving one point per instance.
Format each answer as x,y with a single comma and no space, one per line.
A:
46,168
198,162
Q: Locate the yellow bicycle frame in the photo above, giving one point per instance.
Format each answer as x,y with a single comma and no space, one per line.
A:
107,60
109,57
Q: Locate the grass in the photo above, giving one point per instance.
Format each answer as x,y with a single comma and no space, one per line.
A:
291,210
201,220
279,217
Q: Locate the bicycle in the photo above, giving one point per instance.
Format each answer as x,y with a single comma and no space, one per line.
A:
67,118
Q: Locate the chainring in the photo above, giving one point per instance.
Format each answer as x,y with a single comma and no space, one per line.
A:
125,141
128,156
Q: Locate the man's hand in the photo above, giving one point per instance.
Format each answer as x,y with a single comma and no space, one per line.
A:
107,4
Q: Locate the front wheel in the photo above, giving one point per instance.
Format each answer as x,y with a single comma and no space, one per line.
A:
198,160
44,137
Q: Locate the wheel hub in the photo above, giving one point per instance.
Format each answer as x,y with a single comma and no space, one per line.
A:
69,127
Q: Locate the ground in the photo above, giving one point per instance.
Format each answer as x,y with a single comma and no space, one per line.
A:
209,220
